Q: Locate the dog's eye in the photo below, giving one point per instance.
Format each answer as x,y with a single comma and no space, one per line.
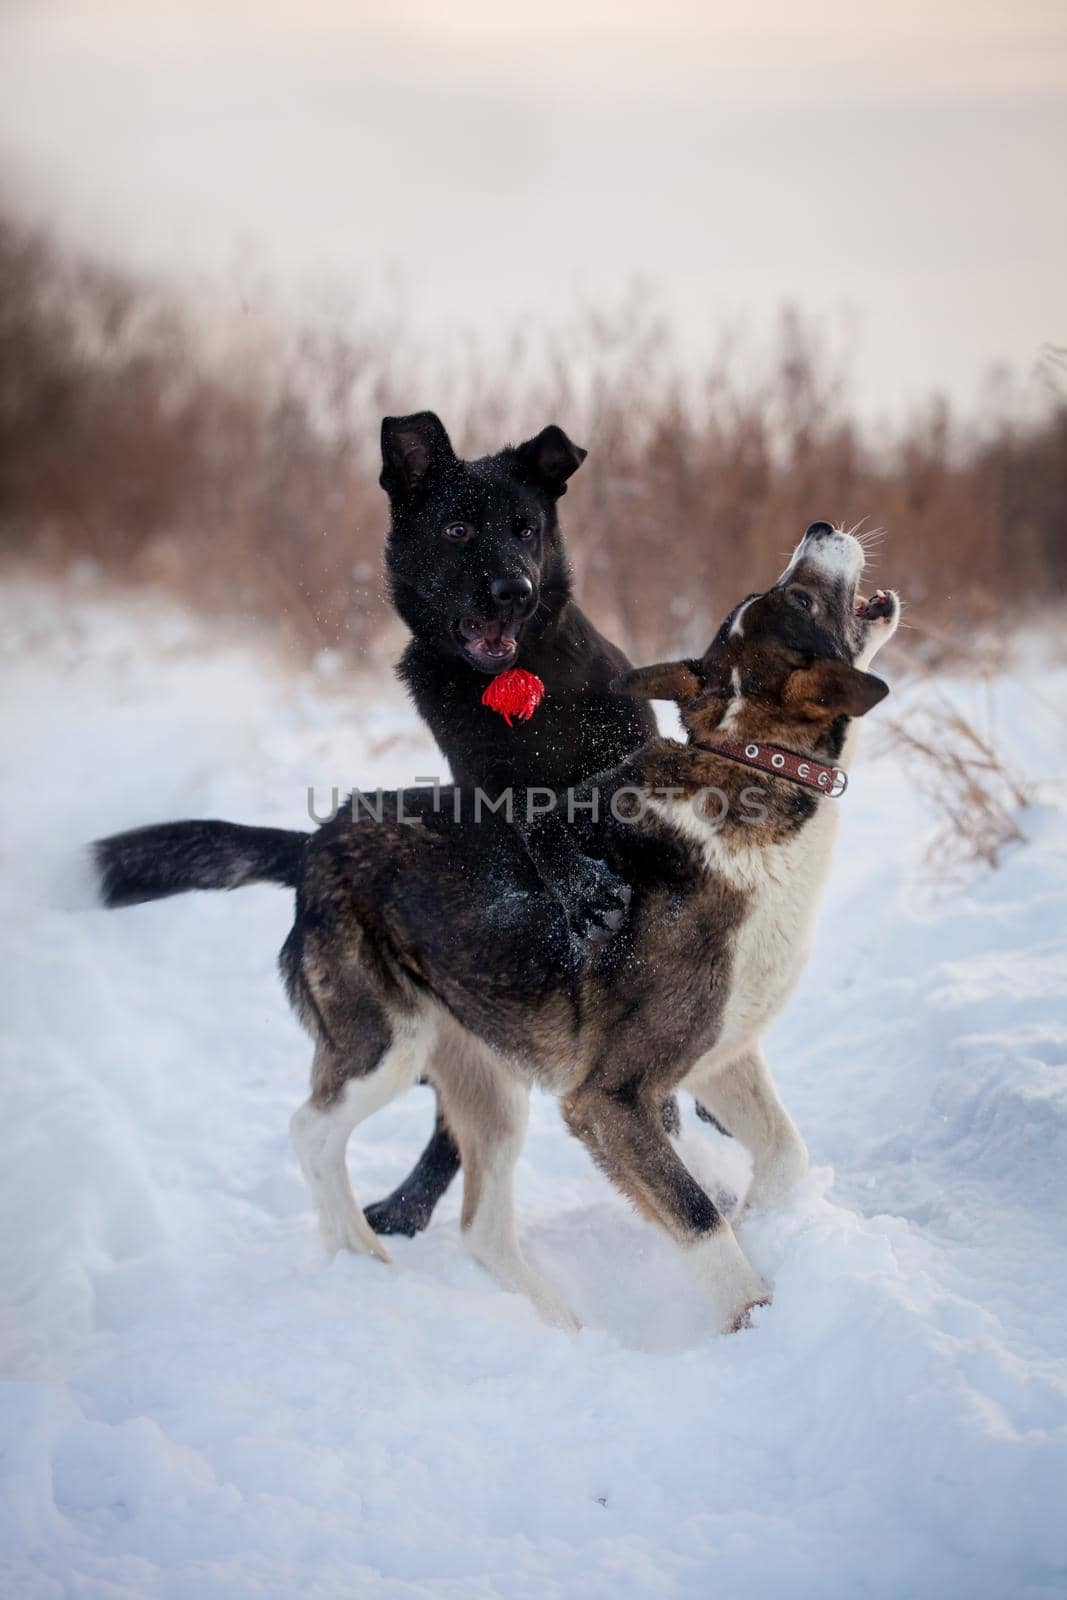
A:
456,532
526,534
802,598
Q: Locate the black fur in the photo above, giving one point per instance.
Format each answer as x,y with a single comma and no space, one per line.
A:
152,863
445,585
439,577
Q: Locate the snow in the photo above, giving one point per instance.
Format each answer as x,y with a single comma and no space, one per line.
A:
197,1403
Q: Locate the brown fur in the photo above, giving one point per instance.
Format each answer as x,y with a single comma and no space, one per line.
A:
618,1034
437,948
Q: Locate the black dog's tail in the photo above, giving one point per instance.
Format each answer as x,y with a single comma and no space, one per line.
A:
151,863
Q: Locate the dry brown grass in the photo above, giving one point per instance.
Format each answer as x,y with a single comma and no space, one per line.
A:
242,471
971,791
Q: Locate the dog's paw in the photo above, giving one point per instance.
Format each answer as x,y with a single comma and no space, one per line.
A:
349,1231
399,1214
743,1319
734,1285
554,1311
596,900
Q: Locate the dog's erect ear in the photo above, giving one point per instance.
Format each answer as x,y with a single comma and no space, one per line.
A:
668,680
410,447
833,688
550,459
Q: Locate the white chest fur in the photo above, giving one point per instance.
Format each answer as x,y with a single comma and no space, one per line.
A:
773,941
782,885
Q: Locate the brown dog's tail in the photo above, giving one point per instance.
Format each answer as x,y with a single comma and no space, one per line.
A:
151,863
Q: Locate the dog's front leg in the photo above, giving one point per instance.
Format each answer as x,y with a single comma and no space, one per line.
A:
623,1130
593,896
745,1100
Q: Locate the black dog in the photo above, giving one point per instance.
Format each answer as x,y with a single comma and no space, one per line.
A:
478,571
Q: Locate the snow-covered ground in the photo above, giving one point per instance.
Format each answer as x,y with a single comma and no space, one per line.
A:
200,1406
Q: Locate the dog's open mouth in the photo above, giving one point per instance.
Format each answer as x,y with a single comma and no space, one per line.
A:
492,646
880,606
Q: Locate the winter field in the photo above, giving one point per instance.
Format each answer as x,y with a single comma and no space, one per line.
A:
198,1405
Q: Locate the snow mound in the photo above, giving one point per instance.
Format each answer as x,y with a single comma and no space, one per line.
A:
197,1403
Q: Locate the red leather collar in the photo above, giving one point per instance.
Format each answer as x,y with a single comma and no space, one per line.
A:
805,770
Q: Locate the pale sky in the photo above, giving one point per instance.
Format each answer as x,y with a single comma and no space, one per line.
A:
899,168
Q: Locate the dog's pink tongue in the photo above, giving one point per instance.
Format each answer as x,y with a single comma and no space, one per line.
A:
514,694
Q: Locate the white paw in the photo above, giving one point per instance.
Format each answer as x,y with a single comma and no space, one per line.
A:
738,1299
355,1234
553,1309
732,1283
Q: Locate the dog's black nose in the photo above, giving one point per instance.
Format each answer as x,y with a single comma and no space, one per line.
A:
818,530
512,594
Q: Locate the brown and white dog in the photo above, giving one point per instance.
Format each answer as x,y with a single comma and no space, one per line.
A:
426,942
409,935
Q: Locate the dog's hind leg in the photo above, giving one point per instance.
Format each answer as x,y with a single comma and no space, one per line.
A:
488,1108
344,1093
744,1096
410,1206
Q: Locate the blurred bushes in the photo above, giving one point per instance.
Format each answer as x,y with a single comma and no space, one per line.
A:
242,472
